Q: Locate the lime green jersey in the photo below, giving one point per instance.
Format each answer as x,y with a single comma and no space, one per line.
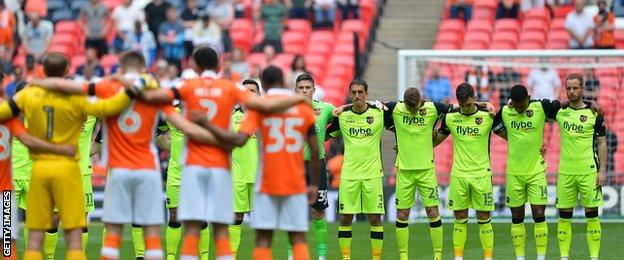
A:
525,134
244,158
84,145
20,160
174,171
362,142
323,113
471,142
413,133
578,129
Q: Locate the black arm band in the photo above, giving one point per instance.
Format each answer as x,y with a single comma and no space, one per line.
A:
91,89
176,93
14,108
130,93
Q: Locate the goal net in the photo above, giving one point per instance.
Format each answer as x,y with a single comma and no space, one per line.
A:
493,73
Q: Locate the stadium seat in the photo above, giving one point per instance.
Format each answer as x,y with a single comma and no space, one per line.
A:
452,25
477,37
284,60
109,60
502,25
483,13
485,4
67,27
479,25
300,25
320,48
557,24
342,60
535,37
334,83
509,37
242,25
474,46
619,39
344,49
78,60
66,50
562,11
446,46
326,37
355,25
537,13
506,45
530,46
315,60
317,71
294,49
448,37
296,41
240,39
257,59
535,25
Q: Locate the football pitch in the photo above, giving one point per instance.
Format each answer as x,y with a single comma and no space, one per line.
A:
420,245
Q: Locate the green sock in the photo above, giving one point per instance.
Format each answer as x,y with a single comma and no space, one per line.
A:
138,241
172,238
436,231
541,237
235,236
486,235
460,233
594,234
518,237
49,245
564,234
376,235
85,241
204,243
402,238
344,240
320,226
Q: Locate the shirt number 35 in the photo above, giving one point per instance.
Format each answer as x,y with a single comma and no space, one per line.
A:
294,138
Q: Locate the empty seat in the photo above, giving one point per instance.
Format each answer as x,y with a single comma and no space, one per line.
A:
319,48
344,49
242,25
533,37
534,25
474,46
505,37
327,37
454,25
446,46
478,25
557,24
530,46
355,25
241,40
507,25
301,25
479,37
295,38
502,45
537,13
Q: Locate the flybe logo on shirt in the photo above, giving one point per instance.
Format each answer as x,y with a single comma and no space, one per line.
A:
572,127
412,120
469,131
360,131
525,126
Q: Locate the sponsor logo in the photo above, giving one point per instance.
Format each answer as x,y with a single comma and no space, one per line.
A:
411,120
572,127
522,125
360,131
466,130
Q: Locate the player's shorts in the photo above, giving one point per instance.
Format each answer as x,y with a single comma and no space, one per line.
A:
288,213
409,180
9,205
526,188
361,196
206,195
243,196
133,196
173,196
87,188
55,183
473,193
570,186
321,200
21,192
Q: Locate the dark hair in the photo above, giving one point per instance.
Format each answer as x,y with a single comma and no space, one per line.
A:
206,58
411,96
464,91
131,59
55,64
304,77
574,76
271,76
293,66
518,93
252,82
359,82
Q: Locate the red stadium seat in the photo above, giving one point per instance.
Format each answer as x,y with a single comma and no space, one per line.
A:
535,25
342,60
315,60
483,13
344,49
241,39
559,36
509,37
619,39
536,13
334,83
557,24
294,49
446,46
530,46
297,38
502,25
562,11
319,48
300,25
242,25
479,25
327,37
355,25
257,59
66,50
536,37
474,46
452,25
477,37
64,39
109,60
448,37
486,4
284,60
67,27
502,46
317,71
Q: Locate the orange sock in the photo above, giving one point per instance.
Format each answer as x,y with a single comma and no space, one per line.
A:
262,253
152,248
189,246
223,247
300,252
13,251
32,255
110,249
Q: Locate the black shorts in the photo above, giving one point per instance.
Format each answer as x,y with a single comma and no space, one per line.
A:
321,201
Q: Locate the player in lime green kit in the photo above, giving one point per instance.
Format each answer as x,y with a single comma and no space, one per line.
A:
582,168
244,169
522,125
304,84
361,181
471,176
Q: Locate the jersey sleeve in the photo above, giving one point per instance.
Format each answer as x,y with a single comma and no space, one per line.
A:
388,121
334,128
251,123
498,125
443,127
167,109
104,107
16,127
599,128
442,108
241,96
550,108
8,109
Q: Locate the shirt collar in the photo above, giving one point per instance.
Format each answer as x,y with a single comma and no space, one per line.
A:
280,91
208,74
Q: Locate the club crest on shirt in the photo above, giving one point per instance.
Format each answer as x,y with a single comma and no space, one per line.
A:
529,113
422,111
583,118
317,111
370,119
479,120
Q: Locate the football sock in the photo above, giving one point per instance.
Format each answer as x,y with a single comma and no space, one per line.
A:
376,235
204,242
344,240
402,238
436,231
320,226
49,243
25,238
594,233
173,234
540,231
300,252
486,235
460,232
85,239
110,249
32,255
262,253
153,250
235,235
564,233
13,251
138,240
518,237
189,247
224,251
76,255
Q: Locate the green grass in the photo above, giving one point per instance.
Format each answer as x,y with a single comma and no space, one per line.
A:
420,245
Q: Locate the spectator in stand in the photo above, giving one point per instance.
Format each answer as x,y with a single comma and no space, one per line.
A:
174,74
580,25
507,9
88,74
438,87
618,7
189,17
155,14
482,79
298,8
92,62
7,27
222,11
124,17
94,21
208,32
239,9
18,76
592,84
254,73
238,63
143,41
37,36
526,5
505,80
269,54
605,24
273,13
544,83
171,38
324,13
461,6
162,74
297,67
6,64
348,7
227,72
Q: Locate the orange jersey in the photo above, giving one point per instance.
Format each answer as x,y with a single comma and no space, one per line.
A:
130,135
216,97
283,137
11,127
